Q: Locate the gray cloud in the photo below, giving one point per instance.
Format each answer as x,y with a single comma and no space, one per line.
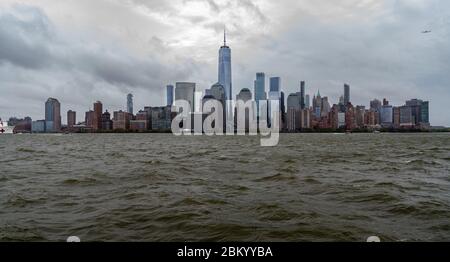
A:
68,67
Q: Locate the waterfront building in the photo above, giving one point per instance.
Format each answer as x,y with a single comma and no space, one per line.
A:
359,115
341,120
293,112
302,95
406,117
396,117
386,115
245,95
307,102
161,118
130,104
305,118
260,90
121,120
350,120
346,94
225,75
89,119
420,112
216,92
334,117
20,125
38,126
106,122
71,118
52,115
97,116
275,84
375,105
317,105
325,107
185,91
425,113
141,122
170,95
273,96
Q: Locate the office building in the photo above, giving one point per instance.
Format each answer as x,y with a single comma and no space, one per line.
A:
346,94
106,122
293,121
170,94
186,92
130,104
302,95
225,77
97,116
275,84
52,115
38,126
71,118
121,120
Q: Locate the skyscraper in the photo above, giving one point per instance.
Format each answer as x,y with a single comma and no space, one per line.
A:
52,115
225,68
71,118
186,91
346,94
275,83
106,121
293,112
97,117
387,115
244,96
425,112
302,95
170,95
260,90
130,103
89,119
375,105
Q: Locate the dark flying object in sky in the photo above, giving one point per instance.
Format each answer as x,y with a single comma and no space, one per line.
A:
426,32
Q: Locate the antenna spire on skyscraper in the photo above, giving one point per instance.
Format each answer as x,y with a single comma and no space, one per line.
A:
224,36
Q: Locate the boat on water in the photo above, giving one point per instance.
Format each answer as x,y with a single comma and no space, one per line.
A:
5,129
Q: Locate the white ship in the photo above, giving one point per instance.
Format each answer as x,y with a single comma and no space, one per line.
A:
5,129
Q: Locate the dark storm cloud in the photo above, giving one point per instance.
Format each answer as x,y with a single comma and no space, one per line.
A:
28,39
24,37
38,60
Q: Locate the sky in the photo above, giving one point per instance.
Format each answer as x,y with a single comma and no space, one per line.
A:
81,51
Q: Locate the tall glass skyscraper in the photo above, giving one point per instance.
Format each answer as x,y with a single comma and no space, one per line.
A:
302,95
346,94
225,68
52,115
170,95
186,91
260,89
275,83
130,103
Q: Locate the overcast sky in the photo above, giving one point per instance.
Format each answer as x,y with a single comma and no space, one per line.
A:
80,51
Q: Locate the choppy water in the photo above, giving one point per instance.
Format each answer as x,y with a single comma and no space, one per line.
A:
157,187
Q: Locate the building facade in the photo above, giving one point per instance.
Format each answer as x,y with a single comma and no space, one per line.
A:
71,118
225,77
186,92
52,115
170,95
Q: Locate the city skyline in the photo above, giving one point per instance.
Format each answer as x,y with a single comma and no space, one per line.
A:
122,68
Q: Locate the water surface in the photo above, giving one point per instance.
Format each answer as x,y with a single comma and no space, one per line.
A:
158,187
